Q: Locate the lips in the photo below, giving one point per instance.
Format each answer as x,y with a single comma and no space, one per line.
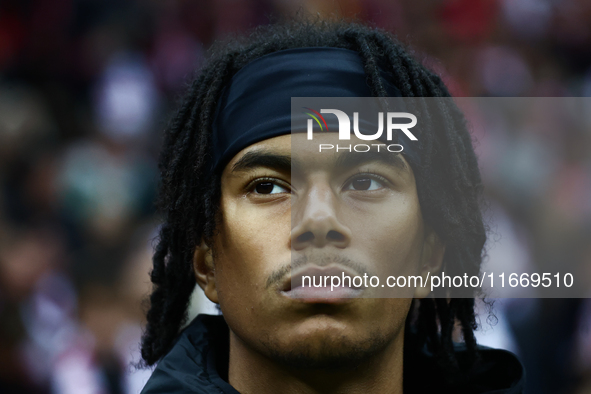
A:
319,286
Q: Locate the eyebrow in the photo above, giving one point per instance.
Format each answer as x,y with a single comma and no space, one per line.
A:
285,163
263,158
355,159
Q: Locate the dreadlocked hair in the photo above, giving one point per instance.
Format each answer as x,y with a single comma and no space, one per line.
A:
448,181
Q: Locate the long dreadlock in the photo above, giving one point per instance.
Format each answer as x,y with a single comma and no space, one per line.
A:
448,181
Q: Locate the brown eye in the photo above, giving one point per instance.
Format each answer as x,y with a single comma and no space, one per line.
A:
264,188
267,187
365,183
361,184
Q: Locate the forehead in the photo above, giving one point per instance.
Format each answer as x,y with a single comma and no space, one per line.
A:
293,152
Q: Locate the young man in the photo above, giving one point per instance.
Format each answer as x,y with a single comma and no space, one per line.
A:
240,220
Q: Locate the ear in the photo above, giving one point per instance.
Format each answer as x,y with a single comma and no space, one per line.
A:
205,271
431,261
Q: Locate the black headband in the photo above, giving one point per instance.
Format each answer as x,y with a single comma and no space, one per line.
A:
256,104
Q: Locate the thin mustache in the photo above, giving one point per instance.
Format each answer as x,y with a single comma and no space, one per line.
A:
320,261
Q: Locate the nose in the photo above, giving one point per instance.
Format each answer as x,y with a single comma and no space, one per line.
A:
315,222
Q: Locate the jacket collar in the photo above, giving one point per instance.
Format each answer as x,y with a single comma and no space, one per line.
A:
198,363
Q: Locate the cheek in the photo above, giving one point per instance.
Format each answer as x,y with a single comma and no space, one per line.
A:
251,243
392,236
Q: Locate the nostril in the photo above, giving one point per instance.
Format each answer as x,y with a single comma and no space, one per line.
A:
305,237
335,236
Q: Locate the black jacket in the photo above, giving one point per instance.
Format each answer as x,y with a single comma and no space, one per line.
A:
198,363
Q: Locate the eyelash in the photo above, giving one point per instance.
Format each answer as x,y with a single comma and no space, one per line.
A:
255,181
385,182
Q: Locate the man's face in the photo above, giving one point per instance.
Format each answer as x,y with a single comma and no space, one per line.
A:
282,206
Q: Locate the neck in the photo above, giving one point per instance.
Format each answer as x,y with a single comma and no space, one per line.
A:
251,372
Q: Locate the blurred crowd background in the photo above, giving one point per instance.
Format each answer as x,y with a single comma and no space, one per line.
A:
86,87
